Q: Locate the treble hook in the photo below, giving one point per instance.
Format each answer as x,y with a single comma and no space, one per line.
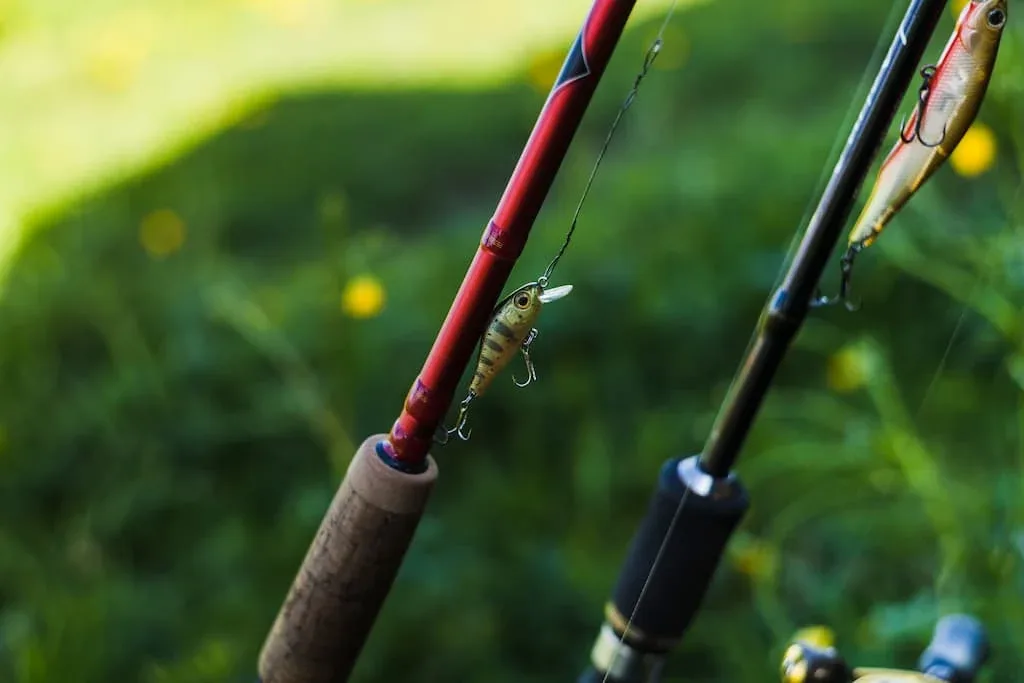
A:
460,422
923,95
846,272
530,369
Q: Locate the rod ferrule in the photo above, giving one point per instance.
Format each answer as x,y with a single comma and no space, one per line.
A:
619,661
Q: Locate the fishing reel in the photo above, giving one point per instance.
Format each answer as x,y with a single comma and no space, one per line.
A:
957,651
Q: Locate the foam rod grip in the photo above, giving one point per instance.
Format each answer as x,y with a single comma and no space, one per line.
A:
347,572
688,524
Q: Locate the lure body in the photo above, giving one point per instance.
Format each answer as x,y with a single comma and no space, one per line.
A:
948,104
510,329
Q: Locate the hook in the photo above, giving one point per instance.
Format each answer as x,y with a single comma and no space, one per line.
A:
917,134
530,369
923,95
846,272
460,421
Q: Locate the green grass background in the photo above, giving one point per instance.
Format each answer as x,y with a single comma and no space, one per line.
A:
172,429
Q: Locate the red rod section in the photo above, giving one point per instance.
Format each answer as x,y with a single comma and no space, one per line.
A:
505,236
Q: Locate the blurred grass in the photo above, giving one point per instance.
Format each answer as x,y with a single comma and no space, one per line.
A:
185,374
94,92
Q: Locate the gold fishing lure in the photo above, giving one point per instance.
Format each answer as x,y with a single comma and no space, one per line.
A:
511,329
948,102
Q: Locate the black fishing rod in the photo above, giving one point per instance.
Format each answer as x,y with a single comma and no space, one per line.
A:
698,501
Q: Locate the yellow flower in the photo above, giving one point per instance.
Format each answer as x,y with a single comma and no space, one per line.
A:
755,558
363,297
976,152
162,233
847,370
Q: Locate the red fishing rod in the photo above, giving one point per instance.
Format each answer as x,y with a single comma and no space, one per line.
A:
505,236
356,553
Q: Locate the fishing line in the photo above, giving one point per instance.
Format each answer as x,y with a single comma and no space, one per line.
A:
981,281
652,53
895,16
945,355
866,77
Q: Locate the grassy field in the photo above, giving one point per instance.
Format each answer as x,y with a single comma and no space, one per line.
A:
236,272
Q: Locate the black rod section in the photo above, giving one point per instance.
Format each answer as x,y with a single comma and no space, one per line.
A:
787,307
699,501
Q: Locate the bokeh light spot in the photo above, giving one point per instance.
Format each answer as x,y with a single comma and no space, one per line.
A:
976,153
847,370
363,297
162,233
756,559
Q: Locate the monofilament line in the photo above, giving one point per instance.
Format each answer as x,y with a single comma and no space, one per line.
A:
652,53
647,580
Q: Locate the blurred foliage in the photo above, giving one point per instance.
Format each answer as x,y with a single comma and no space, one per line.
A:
91,92
190,356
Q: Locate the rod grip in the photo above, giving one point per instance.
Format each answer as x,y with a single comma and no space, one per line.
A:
347,572
689,521
958,649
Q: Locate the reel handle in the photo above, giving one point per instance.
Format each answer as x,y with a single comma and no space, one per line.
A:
958,649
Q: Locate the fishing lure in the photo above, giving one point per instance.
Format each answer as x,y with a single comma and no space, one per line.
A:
948,101
511,329
511,325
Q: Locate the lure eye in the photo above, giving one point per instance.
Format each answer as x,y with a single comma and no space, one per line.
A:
522,300
996,18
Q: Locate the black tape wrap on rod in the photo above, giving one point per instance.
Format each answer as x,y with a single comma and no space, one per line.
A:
712,508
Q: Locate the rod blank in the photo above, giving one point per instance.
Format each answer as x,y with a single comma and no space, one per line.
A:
787,307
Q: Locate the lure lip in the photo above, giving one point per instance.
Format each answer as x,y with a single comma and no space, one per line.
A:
554,294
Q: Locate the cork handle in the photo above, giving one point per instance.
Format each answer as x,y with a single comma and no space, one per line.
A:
347,572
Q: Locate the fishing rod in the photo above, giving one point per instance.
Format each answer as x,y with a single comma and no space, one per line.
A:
699,501
352,561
